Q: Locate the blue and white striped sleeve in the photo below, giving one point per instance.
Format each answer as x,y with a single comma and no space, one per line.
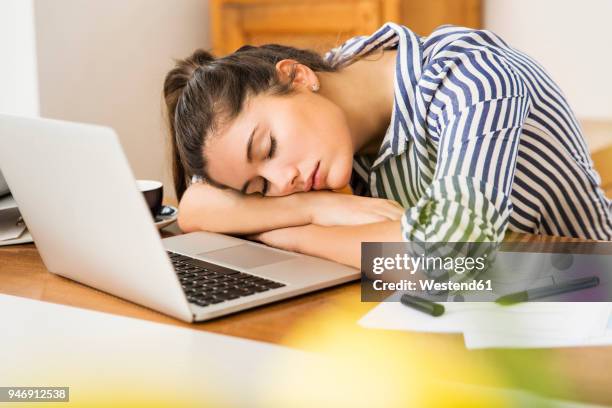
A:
477,112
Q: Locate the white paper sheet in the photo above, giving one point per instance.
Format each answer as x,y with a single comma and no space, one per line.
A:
480,340
483,339
544,324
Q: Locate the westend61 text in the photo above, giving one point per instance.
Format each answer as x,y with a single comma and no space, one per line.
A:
431,284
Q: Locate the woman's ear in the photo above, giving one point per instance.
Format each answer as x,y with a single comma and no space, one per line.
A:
301,77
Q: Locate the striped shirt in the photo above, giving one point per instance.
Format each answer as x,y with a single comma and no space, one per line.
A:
481,140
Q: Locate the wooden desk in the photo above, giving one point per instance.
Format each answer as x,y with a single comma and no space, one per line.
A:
583,372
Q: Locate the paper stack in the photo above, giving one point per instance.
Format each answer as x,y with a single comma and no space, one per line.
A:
12,229
489,325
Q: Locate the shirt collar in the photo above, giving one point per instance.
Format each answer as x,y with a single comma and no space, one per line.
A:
408,70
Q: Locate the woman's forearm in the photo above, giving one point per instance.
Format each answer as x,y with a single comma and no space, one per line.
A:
343,243
339,243
204,207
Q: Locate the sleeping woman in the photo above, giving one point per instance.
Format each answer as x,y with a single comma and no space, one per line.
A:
457,136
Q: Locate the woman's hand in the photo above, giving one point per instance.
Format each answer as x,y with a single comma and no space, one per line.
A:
328,208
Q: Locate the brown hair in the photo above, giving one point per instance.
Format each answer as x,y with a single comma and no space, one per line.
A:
202,90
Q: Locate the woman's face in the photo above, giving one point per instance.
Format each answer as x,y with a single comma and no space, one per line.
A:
279,145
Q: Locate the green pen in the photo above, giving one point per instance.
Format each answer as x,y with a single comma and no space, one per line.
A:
545,291
423,305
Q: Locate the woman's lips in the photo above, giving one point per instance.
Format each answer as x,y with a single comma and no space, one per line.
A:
316,177
310,183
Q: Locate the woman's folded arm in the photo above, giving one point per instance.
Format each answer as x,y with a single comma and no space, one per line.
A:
204,207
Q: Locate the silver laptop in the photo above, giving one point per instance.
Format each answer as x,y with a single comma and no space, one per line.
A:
90,223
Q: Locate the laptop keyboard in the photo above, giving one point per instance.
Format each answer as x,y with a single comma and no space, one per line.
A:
208,284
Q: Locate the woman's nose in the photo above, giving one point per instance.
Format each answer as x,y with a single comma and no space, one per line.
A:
285,181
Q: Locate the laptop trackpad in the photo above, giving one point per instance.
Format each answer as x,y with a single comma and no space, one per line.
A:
246,256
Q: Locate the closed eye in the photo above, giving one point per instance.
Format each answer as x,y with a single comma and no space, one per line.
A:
273,145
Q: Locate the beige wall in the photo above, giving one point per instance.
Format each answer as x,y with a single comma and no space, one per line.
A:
104,62
19,91
571,39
